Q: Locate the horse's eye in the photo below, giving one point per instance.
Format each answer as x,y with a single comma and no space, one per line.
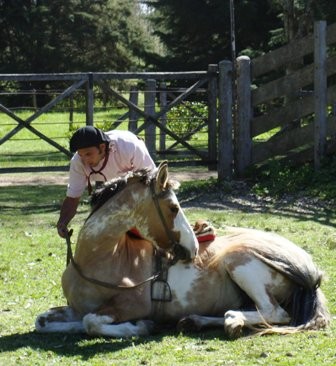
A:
174,209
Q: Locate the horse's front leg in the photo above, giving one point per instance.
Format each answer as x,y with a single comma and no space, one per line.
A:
103,325
59,320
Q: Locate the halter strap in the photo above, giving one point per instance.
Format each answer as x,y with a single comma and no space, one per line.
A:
176,249
98,172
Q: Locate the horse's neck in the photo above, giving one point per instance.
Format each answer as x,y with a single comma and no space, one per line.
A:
102,231
116,216
110,220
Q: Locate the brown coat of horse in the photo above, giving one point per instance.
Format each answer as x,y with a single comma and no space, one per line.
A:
247,279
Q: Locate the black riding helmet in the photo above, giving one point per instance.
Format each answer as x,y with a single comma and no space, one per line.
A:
86,137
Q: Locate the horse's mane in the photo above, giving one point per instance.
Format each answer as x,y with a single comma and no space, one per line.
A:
112,187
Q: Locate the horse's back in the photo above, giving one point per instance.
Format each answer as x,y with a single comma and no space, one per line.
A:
270,268
272,249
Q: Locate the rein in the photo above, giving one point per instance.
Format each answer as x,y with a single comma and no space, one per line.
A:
71,259
177,249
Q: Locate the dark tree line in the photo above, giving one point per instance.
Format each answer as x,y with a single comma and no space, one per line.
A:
70,35
125,35
197,32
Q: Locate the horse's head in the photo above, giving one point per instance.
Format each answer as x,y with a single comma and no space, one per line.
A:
147,201
169,228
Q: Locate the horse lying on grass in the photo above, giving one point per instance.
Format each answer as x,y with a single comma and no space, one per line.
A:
119,284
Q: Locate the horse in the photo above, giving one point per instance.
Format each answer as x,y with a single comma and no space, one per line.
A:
123,282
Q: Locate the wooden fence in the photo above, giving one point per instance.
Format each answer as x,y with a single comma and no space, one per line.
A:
286,101
145,118
282,107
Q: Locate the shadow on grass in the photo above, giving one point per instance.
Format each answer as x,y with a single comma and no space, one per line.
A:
88,347
23,199
214,197
38,199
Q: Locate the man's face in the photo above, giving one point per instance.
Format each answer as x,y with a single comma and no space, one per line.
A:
91,156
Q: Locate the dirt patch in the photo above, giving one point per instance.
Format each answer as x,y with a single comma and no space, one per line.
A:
238,196
61,178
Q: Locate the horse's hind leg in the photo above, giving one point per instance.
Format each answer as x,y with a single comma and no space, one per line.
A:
264,286
59,320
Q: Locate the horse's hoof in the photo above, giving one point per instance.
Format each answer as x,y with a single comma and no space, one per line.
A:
187,325
234,333
146,327
233,324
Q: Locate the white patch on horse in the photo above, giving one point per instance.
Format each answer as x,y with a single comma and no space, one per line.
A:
102,325
261,291
180,288
187,236
136,196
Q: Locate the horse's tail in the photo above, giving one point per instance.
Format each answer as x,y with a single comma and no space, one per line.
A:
314,317
309,310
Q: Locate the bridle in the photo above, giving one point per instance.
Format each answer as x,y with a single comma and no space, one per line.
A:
178,252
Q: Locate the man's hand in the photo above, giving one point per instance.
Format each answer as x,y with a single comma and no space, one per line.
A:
68,211
62,229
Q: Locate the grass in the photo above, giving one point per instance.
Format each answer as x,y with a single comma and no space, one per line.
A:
276,179
25,148
32,258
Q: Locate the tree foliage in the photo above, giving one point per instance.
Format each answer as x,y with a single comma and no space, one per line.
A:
197,32
70,35
114,35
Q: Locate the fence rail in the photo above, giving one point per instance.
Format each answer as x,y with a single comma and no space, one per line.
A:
145,99
293,93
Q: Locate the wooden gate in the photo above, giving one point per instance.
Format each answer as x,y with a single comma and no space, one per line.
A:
162,92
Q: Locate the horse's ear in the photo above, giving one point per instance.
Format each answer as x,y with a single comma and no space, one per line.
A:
161,177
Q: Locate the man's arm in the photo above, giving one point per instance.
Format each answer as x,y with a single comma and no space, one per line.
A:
68,211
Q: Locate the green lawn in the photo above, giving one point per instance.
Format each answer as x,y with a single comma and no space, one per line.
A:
25,148
32,258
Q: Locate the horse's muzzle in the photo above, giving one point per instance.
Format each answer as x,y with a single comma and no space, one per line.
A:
181,254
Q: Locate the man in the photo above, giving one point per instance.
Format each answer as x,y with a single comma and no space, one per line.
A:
99,156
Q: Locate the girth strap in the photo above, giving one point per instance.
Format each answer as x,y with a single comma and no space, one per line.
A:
160,289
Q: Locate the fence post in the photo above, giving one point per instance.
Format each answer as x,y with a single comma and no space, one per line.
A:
163,118
34,99
71,111
242,128
150,133
212,116
320,91
89,100
133,114
225,144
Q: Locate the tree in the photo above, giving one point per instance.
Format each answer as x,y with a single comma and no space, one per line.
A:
298,17
70,35
196,33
